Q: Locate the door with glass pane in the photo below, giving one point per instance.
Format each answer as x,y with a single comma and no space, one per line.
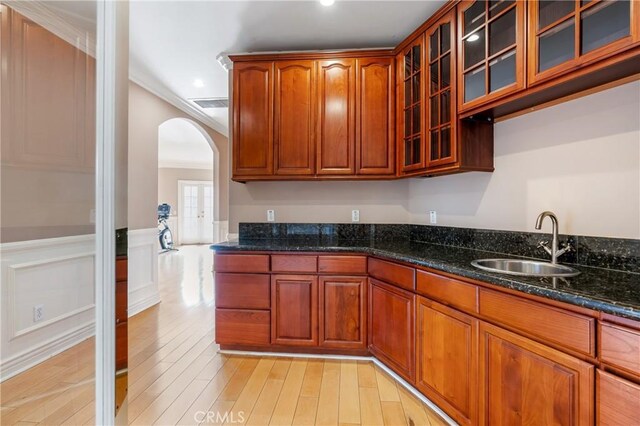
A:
441,120
566,34
411,64
491,63
195,212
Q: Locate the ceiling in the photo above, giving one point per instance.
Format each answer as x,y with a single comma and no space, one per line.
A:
182,145
172,43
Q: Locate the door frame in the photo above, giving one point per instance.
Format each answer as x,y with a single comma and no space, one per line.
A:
181,183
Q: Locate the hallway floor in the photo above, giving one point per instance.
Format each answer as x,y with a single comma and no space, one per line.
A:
177,377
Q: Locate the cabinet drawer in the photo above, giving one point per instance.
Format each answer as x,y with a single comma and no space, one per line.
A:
450,292
244,291
553,325
617,400
241,263
620,347
121,269
294,263
342,264
242,327
400,275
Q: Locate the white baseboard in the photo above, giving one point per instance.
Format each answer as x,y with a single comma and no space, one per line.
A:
42,352
143,270
57,273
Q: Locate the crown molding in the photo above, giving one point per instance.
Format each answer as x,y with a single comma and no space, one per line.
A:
182,104
41,14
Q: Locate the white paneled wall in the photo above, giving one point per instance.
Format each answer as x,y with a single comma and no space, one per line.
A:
143,269
57,273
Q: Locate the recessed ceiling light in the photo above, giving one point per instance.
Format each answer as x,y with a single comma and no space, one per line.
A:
198,83
327,2
473,37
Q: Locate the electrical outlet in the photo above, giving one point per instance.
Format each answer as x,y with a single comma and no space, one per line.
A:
433,219
355,215
271,216
38,313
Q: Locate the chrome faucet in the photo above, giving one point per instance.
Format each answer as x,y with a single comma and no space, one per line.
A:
553,251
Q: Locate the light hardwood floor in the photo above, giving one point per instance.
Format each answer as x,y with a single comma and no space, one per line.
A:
177,377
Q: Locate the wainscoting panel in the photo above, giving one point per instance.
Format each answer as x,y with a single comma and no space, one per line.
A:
143,269
57,274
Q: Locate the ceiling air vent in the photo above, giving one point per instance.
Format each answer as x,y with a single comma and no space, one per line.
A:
212,103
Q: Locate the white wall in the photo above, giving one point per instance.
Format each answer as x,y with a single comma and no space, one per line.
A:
580,159
378,202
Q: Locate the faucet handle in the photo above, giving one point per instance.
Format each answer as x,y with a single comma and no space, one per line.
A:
568,247
545,245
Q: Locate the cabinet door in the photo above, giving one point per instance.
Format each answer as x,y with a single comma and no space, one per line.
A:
410,107
375,140
343,312
253,119
441,121
294,117
336,117
391,327
564,35
618,400
447,359
491,62
294,310
523,382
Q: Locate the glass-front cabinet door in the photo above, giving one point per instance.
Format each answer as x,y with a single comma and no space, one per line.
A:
441,136
411,64
565,34
491,63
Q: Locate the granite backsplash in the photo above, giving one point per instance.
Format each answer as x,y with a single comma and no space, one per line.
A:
610,253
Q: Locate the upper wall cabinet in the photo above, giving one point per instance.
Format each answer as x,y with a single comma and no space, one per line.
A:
294,117
410,64
566,34
253,119
375,132
491,60
336,117
318,118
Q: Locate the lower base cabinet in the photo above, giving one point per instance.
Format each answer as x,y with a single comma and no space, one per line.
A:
618,400
294,308
523,382
446,364
342,308
391,327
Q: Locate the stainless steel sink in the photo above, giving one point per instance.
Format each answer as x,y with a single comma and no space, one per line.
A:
529,268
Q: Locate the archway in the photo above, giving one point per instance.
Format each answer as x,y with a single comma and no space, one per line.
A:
188,162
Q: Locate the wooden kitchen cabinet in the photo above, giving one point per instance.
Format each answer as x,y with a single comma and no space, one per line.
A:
617,400
294,117
410,66
336,117
392,327
342,311
253,119
524,382
491,46
375,109
446,359
563,35
294,310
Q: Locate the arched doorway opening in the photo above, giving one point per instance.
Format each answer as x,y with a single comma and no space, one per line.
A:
188,167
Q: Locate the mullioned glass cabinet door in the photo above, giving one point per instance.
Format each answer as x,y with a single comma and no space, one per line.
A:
412,71
491,63
566,34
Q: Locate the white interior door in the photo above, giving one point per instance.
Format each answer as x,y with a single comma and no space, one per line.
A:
195,212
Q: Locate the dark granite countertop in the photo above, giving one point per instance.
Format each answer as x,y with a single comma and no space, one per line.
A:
603,290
